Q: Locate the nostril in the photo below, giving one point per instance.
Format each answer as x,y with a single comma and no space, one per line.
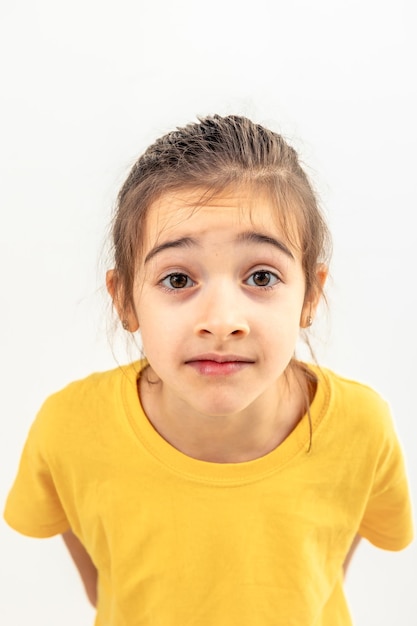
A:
204,331
222,329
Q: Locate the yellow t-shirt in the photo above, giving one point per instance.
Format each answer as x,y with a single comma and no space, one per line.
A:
178,541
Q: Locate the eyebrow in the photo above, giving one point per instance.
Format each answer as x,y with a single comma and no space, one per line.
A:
183,242
247,237
255,237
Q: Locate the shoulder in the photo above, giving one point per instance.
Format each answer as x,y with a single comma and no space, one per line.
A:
84,401
352,394
348,389
352,405
97,385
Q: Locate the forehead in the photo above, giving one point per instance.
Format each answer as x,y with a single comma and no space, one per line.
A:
196,212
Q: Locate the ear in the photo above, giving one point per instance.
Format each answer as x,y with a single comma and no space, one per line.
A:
313,297
127,317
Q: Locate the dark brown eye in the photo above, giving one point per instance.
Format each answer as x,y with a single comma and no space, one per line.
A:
177,281
261,279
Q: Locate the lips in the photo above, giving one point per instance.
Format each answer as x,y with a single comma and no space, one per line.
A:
219,364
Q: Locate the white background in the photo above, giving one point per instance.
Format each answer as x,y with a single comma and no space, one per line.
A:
85,87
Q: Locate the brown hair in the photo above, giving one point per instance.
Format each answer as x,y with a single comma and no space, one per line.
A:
218,153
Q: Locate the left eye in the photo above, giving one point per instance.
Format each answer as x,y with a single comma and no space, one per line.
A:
262,278
177,281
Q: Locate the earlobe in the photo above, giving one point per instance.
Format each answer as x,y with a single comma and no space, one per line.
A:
306,316
127,317
313,297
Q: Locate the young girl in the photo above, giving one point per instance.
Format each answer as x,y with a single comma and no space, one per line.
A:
219,480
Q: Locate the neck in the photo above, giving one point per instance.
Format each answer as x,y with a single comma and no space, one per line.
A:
245,436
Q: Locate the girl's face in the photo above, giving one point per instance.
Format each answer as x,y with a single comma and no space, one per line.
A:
219,298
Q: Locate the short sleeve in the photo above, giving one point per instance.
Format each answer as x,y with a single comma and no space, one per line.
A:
33,506
387,520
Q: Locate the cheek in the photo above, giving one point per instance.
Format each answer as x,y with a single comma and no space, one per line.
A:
158,325
283,327
288,309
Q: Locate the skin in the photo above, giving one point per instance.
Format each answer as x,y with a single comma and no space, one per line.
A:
84,564
222,291
351,552
219,297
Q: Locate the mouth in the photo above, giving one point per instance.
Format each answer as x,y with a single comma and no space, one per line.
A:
219,364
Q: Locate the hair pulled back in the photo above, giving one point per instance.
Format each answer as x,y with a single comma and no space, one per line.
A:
218,153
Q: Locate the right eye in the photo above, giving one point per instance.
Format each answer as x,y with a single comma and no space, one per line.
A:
177,281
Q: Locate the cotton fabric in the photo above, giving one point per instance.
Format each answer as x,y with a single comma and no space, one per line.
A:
182,541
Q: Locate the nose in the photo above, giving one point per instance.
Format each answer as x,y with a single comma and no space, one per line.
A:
221,313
